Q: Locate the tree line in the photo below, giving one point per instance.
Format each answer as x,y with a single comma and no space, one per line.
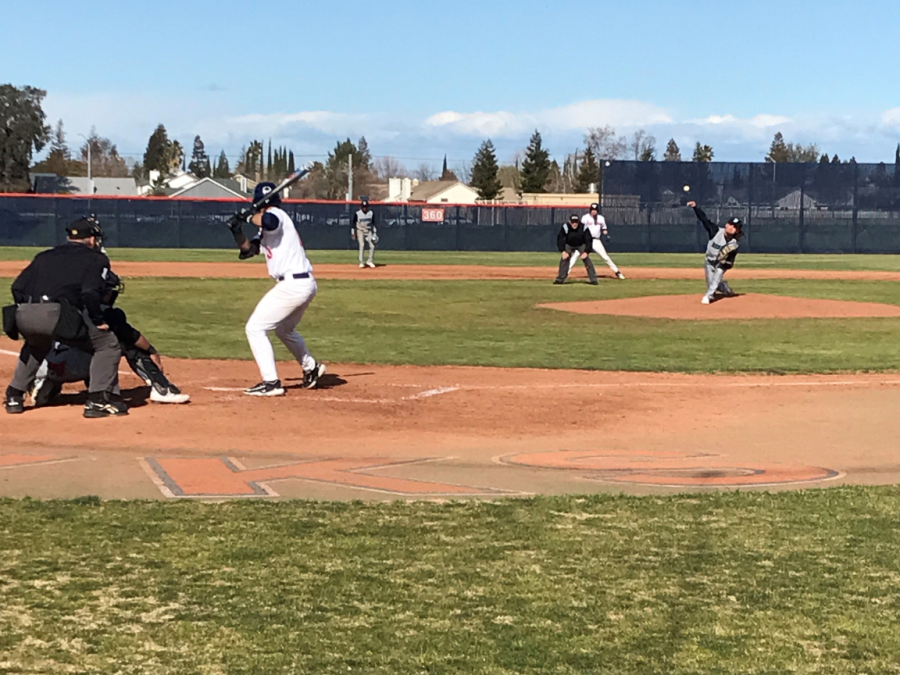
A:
533,171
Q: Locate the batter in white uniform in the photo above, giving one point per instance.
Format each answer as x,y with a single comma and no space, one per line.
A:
596,224
282,308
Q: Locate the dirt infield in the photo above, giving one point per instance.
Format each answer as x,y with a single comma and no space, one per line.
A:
379,432
257,270
749,306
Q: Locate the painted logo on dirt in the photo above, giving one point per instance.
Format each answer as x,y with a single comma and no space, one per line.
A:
227,477
671,468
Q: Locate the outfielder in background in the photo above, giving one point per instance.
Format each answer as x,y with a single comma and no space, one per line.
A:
574,241
720,253
596,224
282,308
364,231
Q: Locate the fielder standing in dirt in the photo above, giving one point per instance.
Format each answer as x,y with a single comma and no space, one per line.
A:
596,224
363,230
282,308
720,253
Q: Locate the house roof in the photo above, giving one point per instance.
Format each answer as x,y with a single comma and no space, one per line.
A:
209,187
81,185
431,189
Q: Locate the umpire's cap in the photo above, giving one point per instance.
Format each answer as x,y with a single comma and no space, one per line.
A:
266,188
85,228
737,222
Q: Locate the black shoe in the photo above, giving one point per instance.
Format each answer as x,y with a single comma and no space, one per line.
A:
273,388
105,405
594,283
14,401
46,392
311,378
558,281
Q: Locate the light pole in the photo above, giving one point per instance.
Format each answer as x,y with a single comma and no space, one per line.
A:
90,180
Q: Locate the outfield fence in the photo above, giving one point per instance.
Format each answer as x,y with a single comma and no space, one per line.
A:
787,208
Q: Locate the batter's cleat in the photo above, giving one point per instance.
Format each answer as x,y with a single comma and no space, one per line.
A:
104,405
311,378
370,264
705,300
266,389
44,392
14,401
362,266
621,276
170,394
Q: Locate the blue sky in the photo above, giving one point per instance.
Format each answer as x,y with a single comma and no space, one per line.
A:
422,79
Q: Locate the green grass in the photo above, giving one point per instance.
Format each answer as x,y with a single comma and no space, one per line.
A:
728,583
504,259
497,324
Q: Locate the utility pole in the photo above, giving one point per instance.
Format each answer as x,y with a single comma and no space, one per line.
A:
90,180
349,177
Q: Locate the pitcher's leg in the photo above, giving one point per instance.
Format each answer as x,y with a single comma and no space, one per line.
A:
714,283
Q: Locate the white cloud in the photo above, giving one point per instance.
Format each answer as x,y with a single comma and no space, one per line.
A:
891,118
757,122
577,116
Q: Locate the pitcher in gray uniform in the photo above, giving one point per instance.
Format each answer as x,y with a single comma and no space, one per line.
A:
363,231
720,253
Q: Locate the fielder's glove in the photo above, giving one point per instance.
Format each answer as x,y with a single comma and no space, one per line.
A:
374,237
726,250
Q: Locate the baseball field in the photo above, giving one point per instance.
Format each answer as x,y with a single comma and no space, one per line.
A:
496,475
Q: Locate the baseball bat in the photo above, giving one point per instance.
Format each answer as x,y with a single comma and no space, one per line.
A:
264,200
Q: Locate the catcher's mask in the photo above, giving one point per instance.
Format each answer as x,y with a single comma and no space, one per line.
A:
114,287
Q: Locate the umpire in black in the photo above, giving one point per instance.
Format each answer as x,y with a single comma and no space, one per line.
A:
58,298
574,239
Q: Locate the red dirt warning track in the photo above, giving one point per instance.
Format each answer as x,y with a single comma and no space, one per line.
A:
378,432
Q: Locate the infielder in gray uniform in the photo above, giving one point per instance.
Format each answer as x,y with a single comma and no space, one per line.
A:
363,231
720,253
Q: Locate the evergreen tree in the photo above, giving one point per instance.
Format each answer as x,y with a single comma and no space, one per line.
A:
835,159
702,153
199,165
157,154
363,159
824,158
778,151
291,166
672,154
535,166
588,172
59,159
222,168
269,162
484,172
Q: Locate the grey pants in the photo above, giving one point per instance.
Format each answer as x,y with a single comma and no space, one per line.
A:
362,238
564,263
715,281
37,323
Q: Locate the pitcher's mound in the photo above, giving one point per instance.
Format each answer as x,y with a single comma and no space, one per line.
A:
749,306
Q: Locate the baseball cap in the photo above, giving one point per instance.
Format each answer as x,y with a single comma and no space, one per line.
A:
595,206
84,228
363,202
574,218
737,222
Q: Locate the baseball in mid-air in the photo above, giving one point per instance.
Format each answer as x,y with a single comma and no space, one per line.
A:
687,188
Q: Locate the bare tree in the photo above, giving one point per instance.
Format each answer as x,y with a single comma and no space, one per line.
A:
604,143
425,172
389,167
643,146
463,170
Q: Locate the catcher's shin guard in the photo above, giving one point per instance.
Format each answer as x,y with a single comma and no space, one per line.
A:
149,372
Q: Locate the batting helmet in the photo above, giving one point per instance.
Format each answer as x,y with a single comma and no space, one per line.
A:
263,189
85,228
